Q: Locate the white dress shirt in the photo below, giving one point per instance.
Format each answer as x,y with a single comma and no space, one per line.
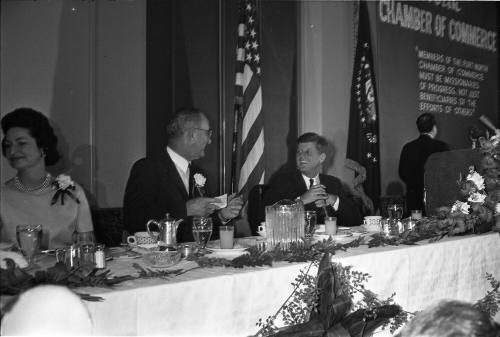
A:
316,182
182,166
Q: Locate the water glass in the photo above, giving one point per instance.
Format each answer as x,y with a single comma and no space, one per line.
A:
83,238
28,239
310,223
395,211
202,230
416,214
226,234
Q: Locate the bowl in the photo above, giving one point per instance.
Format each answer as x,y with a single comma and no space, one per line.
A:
162,259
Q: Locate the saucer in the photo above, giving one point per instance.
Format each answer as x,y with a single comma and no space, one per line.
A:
371,229
237,250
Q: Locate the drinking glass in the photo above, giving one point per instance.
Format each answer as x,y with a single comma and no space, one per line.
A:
29,238
226,234
310,223
83,238
202,231
395,211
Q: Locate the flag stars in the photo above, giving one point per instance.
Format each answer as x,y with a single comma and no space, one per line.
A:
257,58
255,45
253,33
249,7
250,20
249,57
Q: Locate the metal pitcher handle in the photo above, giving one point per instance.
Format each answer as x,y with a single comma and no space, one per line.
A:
154,237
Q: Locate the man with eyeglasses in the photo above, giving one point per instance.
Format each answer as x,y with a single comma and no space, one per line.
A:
157,186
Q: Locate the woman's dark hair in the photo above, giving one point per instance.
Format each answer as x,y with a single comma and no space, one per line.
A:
39,128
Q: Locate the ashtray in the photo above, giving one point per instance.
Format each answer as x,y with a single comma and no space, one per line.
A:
162,259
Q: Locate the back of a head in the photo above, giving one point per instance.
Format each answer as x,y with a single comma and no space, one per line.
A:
47,310
425,122
184,118
450,318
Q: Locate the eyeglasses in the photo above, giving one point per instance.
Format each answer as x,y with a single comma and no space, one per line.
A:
209,131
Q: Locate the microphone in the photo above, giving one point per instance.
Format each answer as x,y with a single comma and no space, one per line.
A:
486,121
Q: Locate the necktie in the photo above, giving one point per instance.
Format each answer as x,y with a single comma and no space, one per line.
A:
311,182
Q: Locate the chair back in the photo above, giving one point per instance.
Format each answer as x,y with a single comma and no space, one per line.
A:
108,226
256,207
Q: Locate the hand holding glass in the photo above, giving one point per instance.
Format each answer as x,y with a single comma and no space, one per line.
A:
29,238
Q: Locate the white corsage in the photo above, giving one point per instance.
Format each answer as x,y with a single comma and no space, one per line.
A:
63,186
461,207
199,183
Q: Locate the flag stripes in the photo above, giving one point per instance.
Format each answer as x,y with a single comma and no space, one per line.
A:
248,100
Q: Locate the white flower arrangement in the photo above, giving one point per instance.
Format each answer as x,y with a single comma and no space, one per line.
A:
477,197
461,207
477,179
497,208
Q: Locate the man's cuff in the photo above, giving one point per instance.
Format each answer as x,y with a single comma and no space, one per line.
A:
336,204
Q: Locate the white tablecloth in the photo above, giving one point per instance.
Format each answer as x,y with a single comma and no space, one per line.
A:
229,302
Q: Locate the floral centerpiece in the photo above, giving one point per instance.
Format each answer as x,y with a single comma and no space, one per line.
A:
478,208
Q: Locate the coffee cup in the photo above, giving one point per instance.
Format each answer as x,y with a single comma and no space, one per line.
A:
142,238
372,223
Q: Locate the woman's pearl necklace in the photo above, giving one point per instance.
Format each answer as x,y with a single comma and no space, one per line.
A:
19,185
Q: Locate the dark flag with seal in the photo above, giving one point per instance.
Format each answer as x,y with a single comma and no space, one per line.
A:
363,152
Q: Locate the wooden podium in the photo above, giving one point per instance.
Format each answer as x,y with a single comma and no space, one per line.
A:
442,171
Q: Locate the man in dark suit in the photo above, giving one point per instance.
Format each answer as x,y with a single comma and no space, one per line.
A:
318,192
166,184
413,158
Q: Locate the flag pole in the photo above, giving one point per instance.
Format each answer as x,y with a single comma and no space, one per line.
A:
234,149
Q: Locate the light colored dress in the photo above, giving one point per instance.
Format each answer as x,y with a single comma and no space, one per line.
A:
59,222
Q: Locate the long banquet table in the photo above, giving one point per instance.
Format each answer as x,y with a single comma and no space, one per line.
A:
228,302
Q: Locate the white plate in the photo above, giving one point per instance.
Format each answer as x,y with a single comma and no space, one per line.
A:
339,236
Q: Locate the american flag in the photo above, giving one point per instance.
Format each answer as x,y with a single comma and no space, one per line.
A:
363,148
248,101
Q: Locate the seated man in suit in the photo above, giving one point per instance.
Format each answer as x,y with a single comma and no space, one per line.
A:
319,192
165,184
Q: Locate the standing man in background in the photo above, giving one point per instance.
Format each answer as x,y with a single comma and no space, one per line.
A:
413,158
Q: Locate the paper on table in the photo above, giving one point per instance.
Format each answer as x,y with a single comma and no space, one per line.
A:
221,201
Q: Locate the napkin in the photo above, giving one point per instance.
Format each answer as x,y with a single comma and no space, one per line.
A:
221,201
18,259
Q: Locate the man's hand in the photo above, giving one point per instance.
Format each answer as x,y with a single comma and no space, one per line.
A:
315,193
332,198
200,206
233,208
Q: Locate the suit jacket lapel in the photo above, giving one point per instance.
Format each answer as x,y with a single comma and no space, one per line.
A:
301,183
173,174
